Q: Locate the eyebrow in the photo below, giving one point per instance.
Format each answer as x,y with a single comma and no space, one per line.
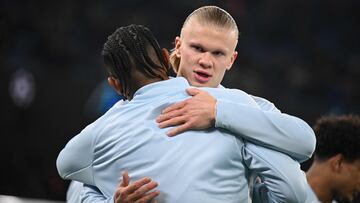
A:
202,47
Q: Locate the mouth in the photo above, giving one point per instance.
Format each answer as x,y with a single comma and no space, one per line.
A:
202,76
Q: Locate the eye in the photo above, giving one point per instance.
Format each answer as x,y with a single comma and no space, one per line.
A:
218,53
197,48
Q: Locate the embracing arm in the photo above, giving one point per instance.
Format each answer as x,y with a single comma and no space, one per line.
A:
267,126
281,177
75,160
136,192
91,194
259,122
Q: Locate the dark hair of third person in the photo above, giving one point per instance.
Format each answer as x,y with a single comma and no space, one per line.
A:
338,135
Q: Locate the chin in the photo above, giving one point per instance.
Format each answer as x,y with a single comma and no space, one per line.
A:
198,84
344,198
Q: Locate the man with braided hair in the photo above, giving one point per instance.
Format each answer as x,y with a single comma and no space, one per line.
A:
136,50
335,172
196,166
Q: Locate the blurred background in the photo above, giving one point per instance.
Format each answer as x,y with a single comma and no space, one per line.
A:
303,55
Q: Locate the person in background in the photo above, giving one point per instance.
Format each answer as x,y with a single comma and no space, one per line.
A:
335,172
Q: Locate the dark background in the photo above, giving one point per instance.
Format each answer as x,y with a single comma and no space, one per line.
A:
303,55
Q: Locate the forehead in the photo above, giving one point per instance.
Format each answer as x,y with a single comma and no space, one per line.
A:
211,36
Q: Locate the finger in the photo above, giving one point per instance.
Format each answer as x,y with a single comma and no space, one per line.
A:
193,91
179,129
162,118
173,107
169,115
173,122
136,185
137,194
148,197
125,181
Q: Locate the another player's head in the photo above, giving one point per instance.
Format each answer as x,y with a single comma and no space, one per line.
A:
338,146
134,58
206,46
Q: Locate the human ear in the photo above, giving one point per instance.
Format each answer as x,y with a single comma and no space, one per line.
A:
232,60
336,163
115,84
177,46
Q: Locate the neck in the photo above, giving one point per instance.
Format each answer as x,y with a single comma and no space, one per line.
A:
318,178
134,86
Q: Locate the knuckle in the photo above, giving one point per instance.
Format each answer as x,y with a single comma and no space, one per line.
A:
166,117
118,191
192,123
172,115
137,193
121,191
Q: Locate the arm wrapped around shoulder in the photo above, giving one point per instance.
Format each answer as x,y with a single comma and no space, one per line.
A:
282,180
75,160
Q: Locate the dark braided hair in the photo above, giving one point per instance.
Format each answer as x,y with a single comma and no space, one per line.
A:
338,135
134,47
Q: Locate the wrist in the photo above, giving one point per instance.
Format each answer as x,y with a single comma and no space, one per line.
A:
213,118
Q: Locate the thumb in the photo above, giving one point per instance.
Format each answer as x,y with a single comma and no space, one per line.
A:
125,180
193,91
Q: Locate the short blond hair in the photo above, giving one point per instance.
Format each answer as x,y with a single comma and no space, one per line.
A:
210,16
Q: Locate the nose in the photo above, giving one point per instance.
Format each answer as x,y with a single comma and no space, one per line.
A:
206,60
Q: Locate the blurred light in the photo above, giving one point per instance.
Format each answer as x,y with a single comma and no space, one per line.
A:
14,199
10,199
22,88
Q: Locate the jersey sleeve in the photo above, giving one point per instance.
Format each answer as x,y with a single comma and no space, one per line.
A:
91,194
282,180
267,126
75,160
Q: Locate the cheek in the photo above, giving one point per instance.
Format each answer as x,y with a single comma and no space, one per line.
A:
351,181
221,69
188,57
218,76
225,62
